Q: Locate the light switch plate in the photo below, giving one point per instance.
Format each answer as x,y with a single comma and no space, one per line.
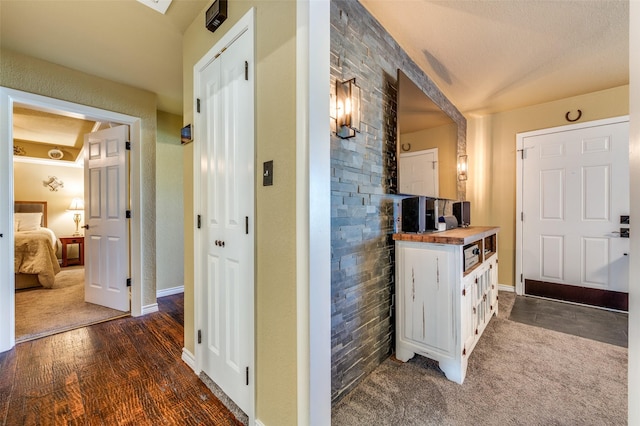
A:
267,173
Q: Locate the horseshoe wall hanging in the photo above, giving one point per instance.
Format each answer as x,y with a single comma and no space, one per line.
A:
406,149
571,120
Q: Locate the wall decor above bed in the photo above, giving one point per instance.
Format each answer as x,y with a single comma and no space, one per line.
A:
53,183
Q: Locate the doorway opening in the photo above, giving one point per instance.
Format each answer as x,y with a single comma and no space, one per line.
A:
49,157
8,99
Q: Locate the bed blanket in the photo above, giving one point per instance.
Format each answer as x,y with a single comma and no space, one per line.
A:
34,254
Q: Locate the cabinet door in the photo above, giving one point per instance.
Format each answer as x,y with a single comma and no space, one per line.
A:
468,314
428,298
494,284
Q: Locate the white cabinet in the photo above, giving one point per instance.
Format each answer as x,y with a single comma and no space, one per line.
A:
441,309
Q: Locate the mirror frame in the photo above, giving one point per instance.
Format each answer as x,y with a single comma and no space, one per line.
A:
444,106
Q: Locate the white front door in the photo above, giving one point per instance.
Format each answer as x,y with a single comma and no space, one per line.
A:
419,172
575,191
225,242
106,229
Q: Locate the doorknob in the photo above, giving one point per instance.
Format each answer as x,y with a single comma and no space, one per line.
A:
85,226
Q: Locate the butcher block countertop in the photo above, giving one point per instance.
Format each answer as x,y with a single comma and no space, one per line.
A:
457,236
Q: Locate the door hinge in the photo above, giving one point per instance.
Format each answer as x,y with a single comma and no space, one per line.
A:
198,105
521,216
127,214
521,151
521,277
246,70
127,146
247,370
199,336
128,282
464,291
199,220
246,225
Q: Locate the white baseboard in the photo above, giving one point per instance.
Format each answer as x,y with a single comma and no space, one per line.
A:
148,309
259,423
170,291
504,287
189,359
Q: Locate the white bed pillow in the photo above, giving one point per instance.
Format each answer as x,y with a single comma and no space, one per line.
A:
28,221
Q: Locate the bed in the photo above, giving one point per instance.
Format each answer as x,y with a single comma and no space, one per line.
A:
36,263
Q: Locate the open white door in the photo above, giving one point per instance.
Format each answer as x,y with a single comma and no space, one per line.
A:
106,230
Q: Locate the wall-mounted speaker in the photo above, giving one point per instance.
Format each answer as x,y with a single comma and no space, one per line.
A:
216,15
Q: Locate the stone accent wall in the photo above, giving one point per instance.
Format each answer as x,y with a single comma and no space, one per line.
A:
362,183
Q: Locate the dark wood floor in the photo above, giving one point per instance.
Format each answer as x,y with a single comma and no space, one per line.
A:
126,371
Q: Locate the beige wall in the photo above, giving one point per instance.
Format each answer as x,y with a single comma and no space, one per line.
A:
33,75
169,211
491,146
27,186
276,392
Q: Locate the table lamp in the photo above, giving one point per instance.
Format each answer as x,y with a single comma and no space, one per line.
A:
76,206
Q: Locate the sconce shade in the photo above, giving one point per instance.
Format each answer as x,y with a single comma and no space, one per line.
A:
347,108
462,167
76,204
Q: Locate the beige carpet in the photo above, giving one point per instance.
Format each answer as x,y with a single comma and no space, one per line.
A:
42,312
518,375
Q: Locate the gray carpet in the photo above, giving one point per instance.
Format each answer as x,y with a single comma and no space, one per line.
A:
42,311
517,375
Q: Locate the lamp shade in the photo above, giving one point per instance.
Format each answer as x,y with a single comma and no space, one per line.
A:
76,204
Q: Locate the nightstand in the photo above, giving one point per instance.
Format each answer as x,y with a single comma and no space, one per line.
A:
79,240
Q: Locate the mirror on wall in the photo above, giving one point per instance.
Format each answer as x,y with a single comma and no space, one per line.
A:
427,144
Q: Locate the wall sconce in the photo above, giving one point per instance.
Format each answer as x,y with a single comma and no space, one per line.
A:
347,108
462,167
76,206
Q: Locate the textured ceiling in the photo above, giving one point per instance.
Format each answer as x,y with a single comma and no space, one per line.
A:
486,56
120,40
490,56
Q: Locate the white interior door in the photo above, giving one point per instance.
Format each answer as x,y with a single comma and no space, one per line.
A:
106,230
575,188
226,286
419,172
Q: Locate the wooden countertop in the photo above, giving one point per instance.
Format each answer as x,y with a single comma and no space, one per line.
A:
457,236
